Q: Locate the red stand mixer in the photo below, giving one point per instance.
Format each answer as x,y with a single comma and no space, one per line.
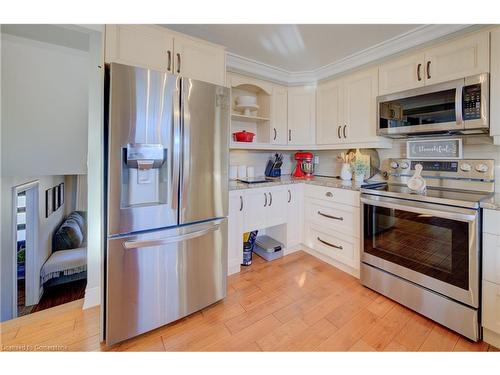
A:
305,165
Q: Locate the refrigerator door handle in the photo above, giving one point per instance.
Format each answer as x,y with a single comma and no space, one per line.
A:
130,245
176,152
185,136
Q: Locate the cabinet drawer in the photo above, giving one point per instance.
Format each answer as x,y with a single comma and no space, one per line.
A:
333,244
333,215
491,306
343,196
491,258
491,218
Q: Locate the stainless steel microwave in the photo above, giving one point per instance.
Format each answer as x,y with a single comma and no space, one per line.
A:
454,107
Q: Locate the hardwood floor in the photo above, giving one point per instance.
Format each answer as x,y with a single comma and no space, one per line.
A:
296,303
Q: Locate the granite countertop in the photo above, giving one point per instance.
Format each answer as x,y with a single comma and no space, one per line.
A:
492,202
332,182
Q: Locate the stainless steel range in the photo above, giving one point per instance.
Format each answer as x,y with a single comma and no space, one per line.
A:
423,250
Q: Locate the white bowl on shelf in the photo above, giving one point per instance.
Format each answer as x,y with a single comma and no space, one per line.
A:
246,100
247,109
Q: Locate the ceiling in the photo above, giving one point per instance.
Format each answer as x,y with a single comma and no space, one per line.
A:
296,48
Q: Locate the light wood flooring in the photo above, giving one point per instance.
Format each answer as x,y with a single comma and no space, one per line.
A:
296,303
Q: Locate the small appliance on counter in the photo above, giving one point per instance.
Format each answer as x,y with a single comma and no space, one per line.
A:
305,165
268,248
273,168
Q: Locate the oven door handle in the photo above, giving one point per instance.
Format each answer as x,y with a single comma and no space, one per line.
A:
444,212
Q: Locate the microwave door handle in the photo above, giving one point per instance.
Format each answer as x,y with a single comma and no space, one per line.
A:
459,94
417,208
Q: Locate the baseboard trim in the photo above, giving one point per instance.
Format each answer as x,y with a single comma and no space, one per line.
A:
351,271
92,297
491,337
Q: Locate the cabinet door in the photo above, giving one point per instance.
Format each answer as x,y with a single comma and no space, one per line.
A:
235,231
198,60
146,46
495,83
301,115
360,113
279,115
275,212
457,59
294,216
256,202
491,306
329,108
402,74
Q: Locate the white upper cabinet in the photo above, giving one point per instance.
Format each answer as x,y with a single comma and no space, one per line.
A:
329,107
301,115
279,115
158,48
146,46
402,74
347,109
360,112
199,60
445,62
457,59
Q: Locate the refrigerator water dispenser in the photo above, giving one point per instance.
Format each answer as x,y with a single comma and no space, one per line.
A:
143,164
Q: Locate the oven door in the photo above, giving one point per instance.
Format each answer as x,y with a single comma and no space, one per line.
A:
432,245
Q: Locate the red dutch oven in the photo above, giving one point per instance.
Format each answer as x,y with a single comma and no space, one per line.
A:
243,136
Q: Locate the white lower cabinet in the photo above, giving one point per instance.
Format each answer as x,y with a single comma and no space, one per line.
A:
491,277
294,215
235,231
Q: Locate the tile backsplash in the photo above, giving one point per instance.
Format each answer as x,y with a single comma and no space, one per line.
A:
474,148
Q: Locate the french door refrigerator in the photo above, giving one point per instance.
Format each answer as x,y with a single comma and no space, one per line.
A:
167,198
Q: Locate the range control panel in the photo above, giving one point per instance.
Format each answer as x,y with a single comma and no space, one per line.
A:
465,168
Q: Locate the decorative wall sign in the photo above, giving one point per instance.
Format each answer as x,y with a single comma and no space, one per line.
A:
434,149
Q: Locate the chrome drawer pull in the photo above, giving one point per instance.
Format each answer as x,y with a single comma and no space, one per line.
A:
265,202
330,216
329,194
241,203
329,244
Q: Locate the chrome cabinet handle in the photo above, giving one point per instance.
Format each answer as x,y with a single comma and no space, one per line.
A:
338,131
329,244
428,69
289,134
129,245
289,196
169,60
330,216
275,134
265,202
270,199
419,66
329,194
178,63
343,131
241,203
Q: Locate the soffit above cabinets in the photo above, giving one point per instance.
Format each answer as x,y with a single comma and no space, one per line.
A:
298,54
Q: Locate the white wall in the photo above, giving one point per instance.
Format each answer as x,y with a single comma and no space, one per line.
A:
46,227
45,108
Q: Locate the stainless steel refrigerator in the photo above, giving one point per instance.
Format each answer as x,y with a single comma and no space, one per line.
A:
167,198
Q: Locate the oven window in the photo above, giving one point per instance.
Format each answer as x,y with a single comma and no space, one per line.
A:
433,108
427,244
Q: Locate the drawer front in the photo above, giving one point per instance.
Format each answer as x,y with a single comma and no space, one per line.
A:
491,306
342,196
333,244
335,216
491,258
491,218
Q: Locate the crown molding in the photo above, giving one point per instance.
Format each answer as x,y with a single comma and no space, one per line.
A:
419,36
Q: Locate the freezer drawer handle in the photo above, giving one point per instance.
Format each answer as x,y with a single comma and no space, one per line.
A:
129,245
330,216
329,244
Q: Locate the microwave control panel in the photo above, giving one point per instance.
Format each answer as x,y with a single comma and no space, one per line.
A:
471,106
